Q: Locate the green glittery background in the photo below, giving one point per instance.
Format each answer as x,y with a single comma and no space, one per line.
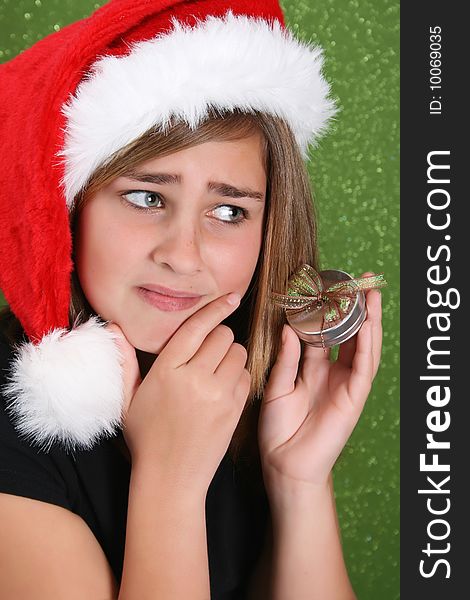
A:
354,173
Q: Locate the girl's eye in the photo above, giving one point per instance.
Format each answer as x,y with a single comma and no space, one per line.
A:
142,200
231,214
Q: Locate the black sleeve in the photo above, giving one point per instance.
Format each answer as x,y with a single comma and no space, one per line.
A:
25,470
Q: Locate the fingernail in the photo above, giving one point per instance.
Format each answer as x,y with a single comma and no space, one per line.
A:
233,298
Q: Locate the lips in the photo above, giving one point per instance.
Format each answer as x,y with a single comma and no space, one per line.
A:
160,289
166,299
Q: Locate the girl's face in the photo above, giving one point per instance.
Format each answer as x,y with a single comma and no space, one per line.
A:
186,224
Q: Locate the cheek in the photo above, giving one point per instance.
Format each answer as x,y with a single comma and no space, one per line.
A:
100,254
235,262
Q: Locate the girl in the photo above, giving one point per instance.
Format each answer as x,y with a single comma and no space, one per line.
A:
163,435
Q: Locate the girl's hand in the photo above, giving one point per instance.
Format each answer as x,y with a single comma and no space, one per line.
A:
306,418
182,416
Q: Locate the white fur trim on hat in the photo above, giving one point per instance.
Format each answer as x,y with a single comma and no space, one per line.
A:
229,63
67,388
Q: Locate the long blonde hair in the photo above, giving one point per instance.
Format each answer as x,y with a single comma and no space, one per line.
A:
289,238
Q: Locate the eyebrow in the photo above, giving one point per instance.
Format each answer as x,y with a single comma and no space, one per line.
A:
223,189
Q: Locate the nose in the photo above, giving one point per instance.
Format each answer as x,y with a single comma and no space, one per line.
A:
178,246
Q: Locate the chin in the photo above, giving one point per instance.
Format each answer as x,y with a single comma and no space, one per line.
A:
151,332
150,344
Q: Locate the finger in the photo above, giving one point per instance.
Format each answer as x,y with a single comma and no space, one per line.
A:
188,338
374,310
131,378
284,372
213,349
232,363
312,357
243,389
314,353
362,368
347,350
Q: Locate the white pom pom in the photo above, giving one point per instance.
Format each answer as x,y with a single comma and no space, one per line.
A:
68,388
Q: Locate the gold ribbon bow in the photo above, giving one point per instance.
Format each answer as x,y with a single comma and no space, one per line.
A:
306,292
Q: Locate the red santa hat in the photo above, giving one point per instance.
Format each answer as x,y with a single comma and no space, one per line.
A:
70,102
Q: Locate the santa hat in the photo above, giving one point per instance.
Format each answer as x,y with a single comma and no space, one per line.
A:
66,105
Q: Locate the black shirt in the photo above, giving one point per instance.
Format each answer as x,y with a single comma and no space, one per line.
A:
94,484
